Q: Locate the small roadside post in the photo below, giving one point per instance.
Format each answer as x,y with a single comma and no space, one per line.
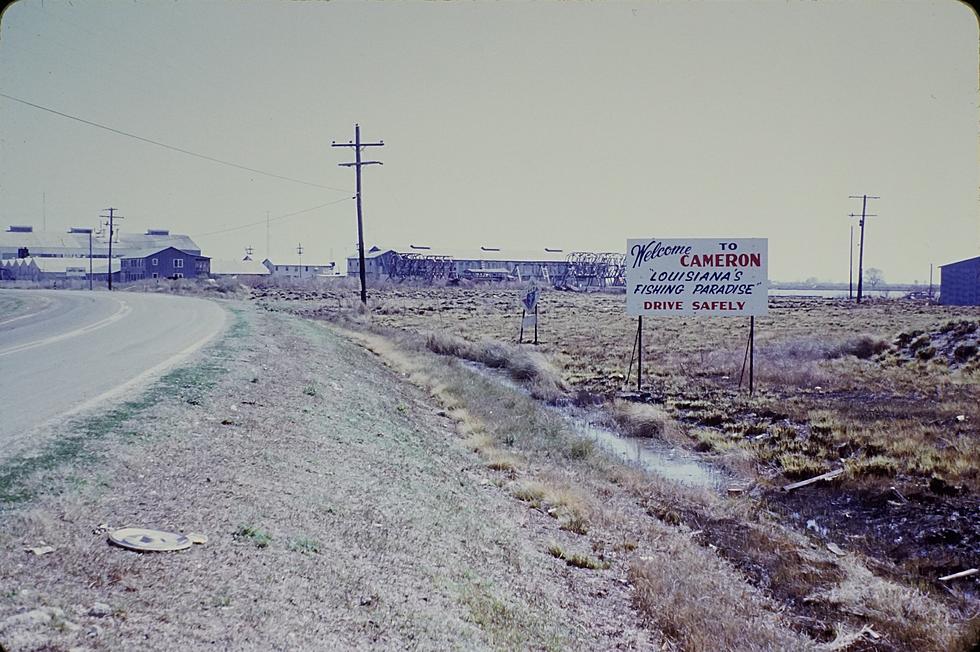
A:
529,313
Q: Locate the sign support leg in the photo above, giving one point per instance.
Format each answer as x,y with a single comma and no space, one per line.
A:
535,324
520,338
751,353
639,353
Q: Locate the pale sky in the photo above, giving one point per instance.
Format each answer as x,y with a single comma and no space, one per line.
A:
513,124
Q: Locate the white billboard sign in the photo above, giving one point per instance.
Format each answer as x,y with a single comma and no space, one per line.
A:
697,276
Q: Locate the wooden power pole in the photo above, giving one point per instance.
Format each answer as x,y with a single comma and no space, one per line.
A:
111,217
357,145
864,206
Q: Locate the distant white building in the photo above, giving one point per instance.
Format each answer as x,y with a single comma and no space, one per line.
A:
246,269
297,271
53,269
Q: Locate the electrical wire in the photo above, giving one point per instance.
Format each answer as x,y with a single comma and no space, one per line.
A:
170,147
274,219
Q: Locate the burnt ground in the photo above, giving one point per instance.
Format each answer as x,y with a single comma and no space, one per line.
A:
925,533
916,529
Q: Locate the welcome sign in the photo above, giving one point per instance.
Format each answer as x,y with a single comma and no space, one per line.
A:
697,276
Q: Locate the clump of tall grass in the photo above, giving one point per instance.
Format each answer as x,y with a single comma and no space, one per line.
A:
527,367
644,420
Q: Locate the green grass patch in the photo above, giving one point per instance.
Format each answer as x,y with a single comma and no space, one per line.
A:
305,545
259,537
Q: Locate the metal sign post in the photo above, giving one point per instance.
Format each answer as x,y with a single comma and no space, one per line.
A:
529,313
639,353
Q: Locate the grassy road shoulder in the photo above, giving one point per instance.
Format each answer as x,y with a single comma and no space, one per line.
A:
340,511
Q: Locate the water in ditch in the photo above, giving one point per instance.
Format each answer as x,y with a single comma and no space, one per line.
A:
651,455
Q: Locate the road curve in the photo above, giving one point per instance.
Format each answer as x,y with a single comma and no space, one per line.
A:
78,349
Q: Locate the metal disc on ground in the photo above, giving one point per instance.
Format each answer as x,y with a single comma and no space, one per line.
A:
143,540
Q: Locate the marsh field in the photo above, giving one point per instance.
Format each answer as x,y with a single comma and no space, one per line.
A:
887,392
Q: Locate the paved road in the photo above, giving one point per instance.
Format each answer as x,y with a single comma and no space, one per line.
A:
70,351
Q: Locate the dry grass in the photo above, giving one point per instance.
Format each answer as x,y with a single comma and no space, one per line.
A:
576,559
560,501
502,460
527,367
675,588
908,618
739,542
681,584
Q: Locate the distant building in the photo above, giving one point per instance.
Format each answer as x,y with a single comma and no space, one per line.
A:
168,262
960,283
24,241
244,270
297,271
486,263
55,269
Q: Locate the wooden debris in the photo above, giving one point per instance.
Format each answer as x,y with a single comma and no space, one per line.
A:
834,548
956,576
899,494
830,475
40,550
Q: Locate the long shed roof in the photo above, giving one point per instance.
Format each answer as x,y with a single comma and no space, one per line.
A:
518,255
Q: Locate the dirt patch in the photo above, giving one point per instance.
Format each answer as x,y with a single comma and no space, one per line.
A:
955,344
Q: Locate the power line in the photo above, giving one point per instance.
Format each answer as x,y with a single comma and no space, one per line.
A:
170,147
273,219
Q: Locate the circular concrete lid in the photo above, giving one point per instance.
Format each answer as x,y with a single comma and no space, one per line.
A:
144,540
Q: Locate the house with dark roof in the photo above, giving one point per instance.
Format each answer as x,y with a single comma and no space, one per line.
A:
168,262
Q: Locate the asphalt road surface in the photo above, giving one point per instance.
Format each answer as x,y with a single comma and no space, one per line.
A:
72,351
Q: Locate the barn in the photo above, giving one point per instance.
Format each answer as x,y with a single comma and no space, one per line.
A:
960,283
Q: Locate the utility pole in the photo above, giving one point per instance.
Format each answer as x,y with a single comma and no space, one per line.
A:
357,145
111,217
864,206
930,280
248,253
268,254
850,263
299,250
